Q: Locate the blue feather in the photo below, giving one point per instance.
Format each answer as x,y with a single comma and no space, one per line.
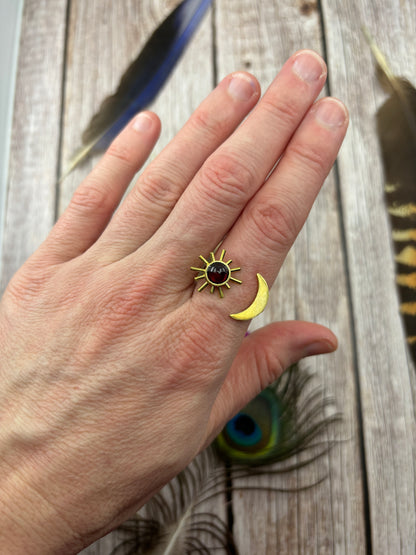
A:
143,79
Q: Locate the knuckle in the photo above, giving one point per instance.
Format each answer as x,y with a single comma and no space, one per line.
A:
124,304
158,188
307,156
194,360
122,151
20,291
269,365
285,112
28,284
210,122
120,309
91,197
275,225
226,179
194,347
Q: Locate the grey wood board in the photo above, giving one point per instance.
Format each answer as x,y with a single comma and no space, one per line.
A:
10,21
311,286
116,38
386,375
35,135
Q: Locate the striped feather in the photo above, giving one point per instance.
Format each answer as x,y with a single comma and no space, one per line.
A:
396,126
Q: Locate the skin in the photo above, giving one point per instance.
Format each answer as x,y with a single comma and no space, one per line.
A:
115,372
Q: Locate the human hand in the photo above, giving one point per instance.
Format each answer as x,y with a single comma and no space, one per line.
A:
115,370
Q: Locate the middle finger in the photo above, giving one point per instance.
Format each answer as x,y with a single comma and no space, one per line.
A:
232,175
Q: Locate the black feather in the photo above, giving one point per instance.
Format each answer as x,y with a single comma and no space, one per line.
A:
143,79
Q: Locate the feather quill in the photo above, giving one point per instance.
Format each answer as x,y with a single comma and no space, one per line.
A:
173,522
396,127
142,80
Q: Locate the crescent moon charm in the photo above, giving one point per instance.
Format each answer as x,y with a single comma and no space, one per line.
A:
259,303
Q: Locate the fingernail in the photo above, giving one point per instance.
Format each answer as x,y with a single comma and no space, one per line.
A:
319,348
142,123
331,112
241,87
309,66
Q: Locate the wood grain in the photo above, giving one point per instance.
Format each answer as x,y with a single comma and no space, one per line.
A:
385,372
339,273
10,27
98,54
311,286
30,204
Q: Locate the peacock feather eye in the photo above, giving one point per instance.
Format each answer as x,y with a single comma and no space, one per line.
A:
282,421
254,431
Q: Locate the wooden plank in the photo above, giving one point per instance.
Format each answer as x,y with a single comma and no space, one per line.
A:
260,36
387,378
36,122
97,56
10,26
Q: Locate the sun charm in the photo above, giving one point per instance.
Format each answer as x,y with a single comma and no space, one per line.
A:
217,273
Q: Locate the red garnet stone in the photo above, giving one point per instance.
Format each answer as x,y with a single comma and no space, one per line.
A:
218,273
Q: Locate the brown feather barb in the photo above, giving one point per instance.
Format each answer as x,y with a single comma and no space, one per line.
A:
396,126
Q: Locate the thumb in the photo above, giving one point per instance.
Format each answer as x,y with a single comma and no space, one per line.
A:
261,359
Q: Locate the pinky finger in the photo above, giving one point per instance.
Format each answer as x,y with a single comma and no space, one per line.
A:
98,196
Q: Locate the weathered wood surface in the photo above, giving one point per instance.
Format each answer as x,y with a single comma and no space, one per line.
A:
10,25
30,203
339,273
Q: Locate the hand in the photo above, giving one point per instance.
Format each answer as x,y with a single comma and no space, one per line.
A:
115,370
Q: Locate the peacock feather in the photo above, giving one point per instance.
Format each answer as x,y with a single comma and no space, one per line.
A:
277,424
173,521
285,422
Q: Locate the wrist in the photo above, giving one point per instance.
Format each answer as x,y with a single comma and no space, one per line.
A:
29,524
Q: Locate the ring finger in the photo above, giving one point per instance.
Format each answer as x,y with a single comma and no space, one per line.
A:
270,223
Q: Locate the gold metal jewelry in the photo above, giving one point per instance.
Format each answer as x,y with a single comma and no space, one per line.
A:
217,273
259,303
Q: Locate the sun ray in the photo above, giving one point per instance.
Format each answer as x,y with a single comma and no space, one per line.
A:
236,280
203,286
222,255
